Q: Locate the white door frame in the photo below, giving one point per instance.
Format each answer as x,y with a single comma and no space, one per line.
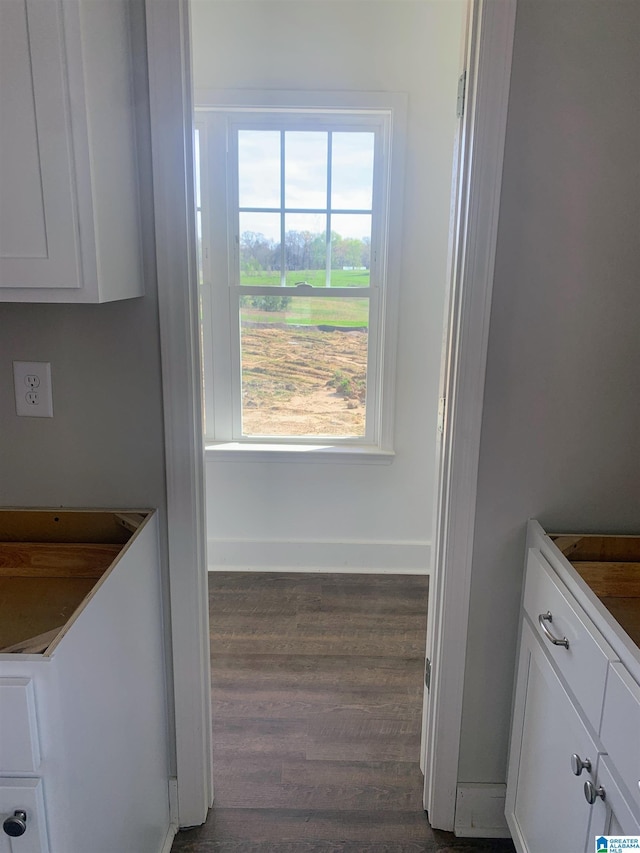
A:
476,204
169,59
488,74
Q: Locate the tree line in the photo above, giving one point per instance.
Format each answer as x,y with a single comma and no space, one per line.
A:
303,251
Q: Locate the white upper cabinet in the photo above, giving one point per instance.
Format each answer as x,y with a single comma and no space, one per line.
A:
69,207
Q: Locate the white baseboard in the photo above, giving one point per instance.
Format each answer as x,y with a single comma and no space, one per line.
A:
319,556
480,811
172,831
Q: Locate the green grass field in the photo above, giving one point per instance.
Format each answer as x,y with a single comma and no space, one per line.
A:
307,311
339,278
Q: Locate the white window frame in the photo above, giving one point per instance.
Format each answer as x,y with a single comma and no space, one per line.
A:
218,115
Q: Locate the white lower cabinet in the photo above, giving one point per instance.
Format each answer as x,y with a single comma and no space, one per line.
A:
574,761
546,806
84,737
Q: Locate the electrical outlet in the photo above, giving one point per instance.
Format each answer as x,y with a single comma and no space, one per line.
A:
32,384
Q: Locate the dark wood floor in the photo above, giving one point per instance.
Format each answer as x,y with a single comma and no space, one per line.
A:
317,691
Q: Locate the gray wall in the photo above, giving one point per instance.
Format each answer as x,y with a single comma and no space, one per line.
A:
104,445
560,437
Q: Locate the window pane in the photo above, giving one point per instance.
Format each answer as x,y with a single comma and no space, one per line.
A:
259,248
350,250
304,366
306,248
352,171
305,169
259,168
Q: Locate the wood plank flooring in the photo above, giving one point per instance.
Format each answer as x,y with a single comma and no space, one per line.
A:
317,691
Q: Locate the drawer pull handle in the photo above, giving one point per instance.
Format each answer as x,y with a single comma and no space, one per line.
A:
547,617
16,825
591,793
578,765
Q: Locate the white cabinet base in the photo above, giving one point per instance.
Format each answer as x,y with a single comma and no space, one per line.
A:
577,694
100,729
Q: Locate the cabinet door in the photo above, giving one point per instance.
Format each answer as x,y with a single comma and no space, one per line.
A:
620,731
613,812
39,237
546,808
19,743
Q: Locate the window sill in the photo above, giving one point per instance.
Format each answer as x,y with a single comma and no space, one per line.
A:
231,451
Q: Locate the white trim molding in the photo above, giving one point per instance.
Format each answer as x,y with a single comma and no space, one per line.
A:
480,811
230,451
221,118
170,838
303,555
172,162
477,204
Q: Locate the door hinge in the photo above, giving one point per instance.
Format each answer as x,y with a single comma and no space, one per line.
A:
442,409
427,673
462,91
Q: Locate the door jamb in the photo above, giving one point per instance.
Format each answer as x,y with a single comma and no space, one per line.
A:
473,251
173,188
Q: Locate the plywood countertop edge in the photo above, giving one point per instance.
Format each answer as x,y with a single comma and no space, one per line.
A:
88,598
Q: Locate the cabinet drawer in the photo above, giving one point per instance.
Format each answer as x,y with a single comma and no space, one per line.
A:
24,795
620,732
19,752
584,663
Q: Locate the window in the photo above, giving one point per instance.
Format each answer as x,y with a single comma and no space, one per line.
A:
297,300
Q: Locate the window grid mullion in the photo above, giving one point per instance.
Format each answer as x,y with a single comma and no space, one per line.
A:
328,222
356,210
283,254
309,292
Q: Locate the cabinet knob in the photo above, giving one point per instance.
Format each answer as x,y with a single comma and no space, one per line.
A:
578,765
16,825
591,793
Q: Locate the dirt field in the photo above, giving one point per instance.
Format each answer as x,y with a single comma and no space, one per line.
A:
303,381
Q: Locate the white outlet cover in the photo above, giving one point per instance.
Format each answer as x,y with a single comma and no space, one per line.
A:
32,384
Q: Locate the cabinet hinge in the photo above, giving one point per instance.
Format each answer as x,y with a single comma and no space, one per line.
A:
442,409
462,91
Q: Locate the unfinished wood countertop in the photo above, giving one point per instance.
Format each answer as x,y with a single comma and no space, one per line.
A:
50,562
610,566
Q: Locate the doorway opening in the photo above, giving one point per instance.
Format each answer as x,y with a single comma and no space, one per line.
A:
170,114
362,502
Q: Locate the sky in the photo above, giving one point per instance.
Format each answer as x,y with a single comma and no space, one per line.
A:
305,180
